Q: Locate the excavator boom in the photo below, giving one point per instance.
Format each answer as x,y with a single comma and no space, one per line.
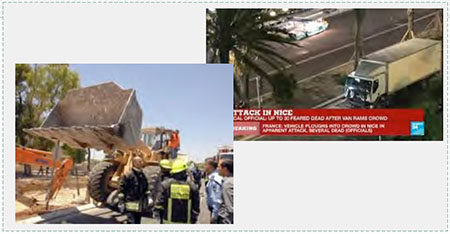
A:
42,158
34,157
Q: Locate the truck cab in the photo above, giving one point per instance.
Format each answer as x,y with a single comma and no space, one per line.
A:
367,85
225,152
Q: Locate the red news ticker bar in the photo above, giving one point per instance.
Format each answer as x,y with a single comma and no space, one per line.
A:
350,122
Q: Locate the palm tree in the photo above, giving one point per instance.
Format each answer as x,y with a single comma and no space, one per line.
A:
242,36
359,17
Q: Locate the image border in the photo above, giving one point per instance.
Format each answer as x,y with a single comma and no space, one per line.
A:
235,4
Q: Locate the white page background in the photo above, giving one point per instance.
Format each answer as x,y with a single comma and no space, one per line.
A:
279,185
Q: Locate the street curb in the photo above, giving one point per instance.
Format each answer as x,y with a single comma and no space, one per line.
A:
55,214
248,138
328,102
306,79
338,12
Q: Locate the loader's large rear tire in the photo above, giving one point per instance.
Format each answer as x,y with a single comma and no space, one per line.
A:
99,177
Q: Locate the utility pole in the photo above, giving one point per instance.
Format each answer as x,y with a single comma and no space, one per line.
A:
76,176
358,44
410,31
56,154
89,159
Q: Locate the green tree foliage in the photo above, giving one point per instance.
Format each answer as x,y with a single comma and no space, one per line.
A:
38,89
78,155
23,73
243,37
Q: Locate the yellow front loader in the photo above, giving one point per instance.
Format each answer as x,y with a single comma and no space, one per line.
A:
108,118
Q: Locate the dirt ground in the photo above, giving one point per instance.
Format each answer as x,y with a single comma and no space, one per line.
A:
31,193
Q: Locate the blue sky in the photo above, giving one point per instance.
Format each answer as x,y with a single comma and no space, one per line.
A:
194,98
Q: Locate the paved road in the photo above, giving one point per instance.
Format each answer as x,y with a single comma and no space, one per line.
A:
381,28
95,215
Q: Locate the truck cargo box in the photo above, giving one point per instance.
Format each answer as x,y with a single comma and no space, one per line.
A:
407,62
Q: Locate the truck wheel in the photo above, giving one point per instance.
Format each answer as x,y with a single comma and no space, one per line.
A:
387,103
113,200
99,177
384,102
379,103
424,84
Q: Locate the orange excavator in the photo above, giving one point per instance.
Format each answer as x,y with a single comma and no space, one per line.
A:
43,158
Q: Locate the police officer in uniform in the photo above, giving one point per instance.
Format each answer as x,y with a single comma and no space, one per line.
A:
133,192
213,189
178,199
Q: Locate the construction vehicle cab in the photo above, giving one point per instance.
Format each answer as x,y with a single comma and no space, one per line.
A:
157,138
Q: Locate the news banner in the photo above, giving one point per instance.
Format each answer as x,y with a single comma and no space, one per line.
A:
350,122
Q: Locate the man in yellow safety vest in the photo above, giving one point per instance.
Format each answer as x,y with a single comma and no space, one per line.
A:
178,199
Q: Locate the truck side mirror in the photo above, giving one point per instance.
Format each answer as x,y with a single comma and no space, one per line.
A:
375,86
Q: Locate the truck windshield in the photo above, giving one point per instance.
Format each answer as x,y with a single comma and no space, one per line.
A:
226,156
156,141
360,84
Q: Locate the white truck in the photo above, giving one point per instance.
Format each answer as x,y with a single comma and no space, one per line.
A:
391,69
225,152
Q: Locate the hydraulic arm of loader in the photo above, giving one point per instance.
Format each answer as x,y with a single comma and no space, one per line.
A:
42,158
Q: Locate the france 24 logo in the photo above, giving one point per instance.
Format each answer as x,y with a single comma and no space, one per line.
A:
417,128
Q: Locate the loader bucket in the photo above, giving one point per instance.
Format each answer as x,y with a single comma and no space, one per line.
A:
102,117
